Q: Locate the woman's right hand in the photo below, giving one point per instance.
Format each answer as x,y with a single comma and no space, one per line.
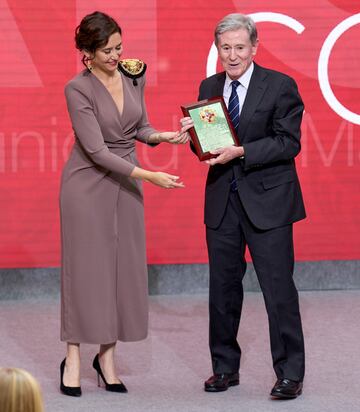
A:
164,180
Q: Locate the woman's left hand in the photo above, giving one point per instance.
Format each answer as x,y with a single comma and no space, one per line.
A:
174,137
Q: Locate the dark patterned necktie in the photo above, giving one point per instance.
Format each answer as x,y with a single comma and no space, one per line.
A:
233,107
234,112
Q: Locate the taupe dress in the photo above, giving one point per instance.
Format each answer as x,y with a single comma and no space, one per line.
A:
104,293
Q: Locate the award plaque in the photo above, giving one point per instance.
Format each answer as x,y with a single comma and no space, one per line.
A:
212,126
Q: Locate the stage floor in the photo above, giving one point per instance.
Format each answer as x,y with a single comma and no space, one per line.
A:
166,371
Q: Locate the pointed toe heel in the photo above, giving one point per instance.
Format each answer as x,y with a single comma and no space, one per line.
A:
111,387
68,390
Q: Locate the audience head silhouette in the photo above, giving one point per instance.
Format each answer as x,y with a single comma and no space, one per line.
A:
19,391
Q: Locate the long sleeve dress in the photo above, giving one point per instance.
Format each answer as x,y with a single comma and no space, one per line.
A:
104,289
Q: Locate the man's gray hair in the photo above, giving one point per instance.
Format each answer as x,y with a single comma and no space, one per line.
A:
236,21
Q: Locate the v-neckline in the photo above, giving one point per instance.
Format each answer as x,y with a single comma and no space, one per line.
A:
110,95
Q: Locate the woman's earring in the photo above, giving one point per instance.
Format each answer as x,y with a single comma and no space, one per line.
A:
87,61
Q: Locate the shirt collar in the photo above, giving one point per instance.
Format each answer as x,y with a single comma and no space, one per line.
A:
244,79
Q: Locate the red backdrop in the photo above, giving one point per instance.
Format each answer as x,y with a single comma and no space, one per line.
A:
316,44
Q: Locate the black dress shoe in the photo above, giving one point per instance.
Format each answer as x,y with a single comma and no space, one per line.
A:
221,381
286,389
68,390
111,387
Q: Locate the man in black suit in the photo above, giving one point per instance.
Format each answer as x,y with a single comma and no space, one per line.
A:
252,198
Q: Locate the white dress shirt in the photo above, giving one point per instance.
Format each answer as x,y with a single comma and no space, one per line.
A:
242,88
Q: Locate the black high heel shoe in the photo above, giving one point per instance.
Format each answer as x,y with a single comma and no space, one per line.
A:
111,387
68,390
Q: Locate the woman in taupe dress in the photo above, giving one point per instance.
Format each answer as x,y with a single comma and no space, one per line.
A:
104,275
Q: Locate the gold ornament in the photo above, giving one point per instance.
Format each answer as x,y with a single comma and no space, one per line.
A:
133,68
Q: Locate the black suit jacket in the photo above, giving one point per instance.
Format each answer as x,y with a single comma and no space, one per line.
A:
269,130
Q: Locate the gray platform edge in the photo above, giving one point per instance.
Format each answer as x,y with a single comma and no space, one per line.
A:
183,279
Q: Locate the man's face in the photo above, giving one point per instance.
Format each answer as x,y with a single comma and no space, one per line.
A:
236,52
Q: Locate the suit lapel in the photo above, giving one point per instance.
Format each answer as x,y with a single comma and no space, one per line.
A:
219,85
257,87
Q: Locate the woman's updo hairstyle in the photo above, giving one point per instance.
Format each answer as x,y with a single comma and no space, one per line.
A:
94,31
